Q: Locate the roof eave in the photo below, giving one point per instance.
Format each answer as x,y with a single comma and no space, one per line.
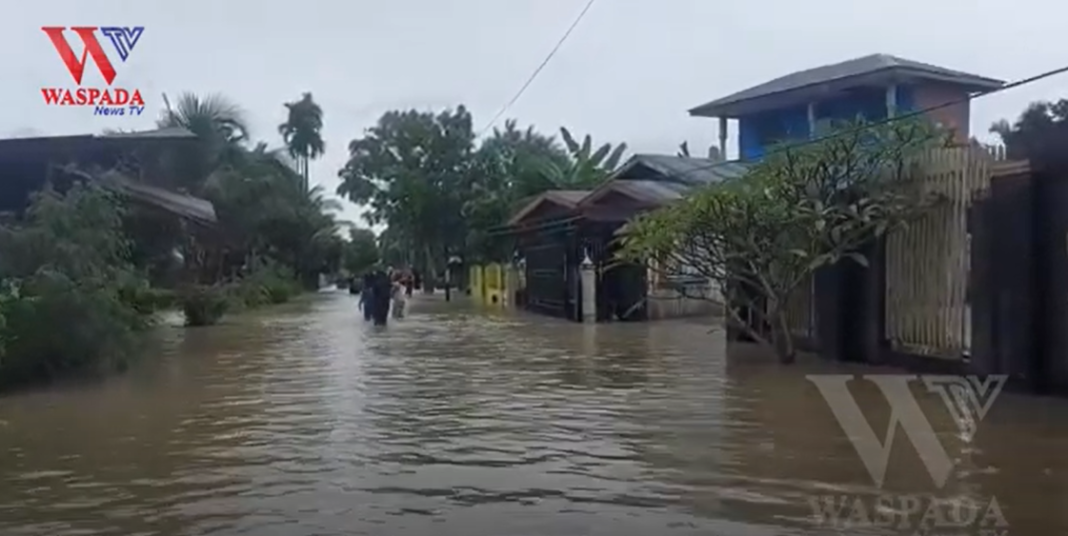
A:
732,109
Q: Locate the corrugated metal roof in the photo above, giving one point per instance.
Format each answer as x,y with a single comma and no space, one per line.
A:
849,69
182,205
684,169
165,133
567,198
570,197
656,179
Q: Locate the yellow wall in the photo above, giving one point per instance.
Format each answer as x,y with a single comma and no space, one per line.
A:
477,283
493,275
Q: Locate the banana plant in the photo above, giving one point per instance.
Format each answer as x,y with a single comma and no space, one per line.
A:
588,167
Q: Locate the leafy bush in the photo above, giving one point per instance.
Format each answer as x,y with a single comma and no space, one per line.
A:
147,300
203,305
62,271
269,284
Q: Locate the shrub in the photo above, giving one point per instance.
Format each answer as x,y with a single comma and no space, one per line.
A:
62,271
269,284
203,305
147,300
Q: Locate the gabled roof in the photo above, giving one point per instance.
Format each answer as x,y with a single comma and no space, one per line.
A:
566,198
656,179
859,71
181,205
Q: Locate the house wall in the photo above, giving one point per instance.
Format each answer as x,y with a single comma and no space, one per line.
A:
758,132
681,294
955,117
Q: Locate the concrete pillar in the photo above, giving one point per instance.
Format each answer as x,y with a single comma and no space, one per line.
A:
812,120
589,290
891,100
723,138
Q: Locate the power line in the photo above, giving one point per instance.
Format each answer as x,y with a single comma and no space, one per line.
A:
537,71
916,113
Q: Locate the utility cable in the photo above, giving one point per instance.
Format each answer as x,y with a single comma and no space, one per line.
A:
537,71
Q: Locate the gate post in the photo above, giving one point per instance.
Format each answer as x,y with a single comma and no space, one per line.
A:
589,290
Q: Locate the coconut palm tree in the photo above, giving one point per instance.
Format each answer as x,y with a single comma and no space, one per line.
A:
302,132
221,130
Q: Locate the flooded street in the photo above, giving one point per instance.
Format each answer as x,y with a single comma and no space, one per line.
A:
306,421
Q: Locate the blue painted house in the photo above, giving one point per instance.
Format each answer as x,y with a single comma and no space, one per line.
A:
876,87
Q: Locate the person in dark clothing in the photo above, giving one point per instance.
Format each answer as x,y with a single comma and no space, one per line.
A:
408,280
380,297
367,297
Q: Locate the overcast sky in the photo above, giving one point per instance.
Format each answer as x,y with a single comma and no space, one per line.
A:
628,73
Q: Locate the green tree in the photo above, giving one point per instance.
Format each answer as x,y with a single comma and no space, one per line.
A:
412,171
759,237
1041,126
221,130
361,251
510,169
302,133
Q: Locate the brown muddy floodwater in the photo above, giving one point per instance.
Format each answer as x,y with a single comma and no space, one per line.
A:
305,421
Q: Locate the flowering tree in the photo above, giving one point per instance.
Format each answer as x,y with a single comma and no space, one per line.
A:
800,209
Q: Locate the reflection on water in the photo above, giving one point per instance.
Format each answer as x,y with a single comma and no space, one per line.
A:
306,421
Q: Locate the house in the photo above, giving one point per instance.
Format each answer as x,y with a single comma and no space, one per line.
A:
556,231
876,87
28,164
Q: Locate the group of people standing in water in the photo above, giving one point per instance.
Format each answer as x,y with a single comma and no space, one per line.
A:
383,291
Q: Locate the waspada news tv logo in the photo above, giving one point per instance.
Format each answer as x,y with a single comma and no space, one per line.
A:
108,100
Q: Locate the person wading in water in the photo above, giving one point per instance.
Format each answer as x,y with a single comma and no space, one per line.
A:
380,297
399,301
366,297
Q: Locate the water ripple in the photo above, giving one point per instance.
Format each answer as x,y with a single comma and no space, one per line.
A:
306,421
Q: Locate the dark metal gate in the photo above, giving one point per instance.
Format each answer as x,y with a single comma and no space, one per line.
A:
548,277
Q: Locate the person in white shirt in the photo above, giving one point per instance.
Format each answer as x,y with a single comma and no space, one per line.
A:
399,301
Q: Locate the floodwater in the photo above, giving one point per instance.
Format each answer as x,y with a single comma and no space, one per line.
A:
305,421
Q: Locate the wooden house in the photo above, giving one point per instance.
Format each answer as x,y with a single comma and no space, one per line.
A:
556,231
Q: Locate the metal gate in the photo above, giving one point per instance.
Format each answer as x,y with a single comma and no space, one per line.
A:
547,276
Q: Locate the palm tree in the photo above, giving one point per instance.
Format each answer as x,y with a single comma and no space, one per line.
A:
221,130
302,132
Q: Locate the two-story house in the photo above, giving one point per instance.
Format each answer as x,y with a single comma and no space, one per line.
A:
876,87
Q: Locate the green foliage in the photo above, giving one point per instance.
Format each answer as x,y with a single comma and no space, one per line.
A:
64,268
203,305
145,299
264,206
221,128
268,284
412,170
798,210
1042,127
440,193
587,168
302,132
360,251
